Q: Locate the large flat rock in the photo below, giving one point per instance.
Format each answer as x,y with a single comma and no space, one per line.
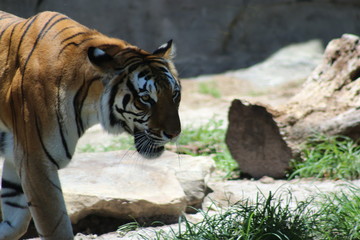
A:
125,186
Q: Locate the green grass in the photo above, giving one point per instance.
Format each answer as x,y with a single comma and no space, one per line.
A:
207,140
265,219
329,217
331,157
209,88
339,215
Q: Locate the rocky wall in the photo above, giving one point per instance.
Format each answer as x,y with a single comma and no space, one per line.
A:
212,36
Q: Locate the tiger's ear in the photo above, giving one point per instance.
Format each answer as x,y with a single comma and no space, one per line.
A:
103,57
166,50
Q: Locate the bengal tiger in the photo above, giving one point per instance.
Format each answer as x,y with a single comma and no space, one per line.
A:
58,78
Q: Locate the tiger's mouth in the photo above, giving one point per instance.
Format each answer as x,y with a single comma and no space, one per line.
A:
147,145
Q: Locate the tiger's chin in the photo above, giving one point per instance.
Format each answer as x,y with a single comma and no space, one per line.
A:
148,147
155,152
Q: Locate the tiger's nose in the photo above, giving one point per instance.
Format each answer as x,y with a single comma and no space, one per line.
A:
172,135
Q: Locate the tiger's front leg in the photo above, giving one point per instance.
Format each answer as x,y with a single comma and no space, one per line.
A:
15,212
41,185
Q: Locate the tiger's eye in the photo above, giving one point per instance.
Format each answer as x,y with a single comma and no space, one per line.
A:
145,98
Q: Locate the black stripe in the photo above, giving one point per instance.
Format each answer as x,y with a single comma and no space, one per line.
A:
143,73
142,120
10,41
74,44
72,36
126,100
2,142
10,185
27,21
63,140
53,24
15,205
62,30
27,60
10,194
130,60
77,111
162,69
6,28
113,93
134,67
8,223
36,41
121,111
26,30
43,145
135,61
78,103
131,88
31,22
54,185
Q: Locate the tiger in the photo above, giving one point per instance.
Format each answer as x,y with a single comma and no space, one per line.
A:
57,79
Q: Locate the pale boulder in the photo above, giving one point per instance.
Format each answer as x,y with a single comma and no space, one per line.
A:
123,185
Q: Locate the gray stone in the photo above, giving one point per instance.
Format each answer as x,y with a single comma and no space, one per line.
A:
292,63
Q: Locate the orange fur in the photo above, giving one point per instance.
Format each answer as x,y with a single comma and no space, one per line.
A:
50,93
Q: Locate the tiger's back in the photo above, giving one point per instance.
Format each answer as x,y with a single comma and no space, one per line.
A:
58,78
40,47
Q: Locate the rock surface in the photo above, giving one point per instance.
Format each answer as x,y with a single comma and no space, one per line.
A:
292,63
254,141
228,193
328,103
123,185
330,98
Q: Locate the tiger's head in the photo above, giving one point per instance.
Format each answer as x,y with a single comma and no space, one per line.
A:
141,96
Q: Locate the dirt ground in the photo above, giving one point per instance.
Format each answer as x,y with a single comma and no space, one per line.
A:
197,107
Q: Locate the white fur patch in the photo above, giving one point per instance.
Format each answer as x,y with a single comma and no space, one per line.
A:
149,85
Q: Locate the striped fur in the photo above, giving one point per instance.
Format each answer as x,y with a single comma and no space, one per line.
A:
58,78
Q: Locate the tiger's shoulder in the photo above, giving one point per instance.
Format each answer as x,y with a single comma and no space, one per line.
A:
48,35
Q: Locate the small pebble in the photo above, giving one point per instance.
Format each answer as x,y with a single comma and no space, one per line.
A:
266,180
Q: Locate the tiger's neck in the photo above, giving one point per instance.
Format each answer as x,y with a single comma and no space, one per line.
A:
90,109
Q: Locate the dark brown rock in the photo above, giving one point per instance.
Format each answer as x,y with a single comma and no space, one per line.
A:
255,142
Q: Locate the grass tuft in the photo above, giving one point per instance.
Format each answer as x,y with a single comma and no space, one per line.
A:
266,219
209,88
333,216
339,215
332,157
207,140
